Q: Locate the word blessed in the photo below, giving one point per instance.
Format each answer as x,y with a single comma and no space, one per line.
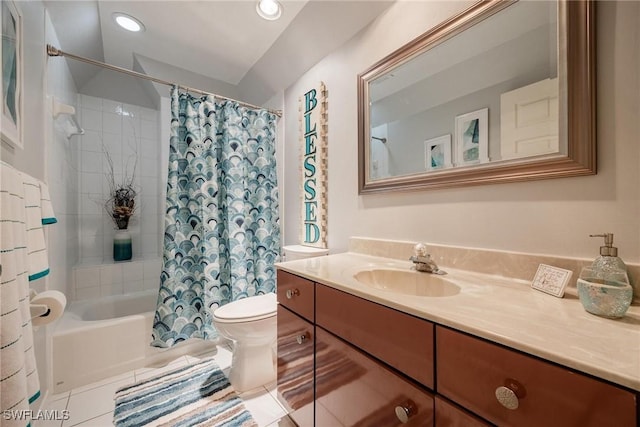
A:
311,229
28,414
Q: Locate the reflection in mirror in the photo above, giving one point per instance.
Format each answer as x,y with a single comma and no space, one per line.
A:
483,95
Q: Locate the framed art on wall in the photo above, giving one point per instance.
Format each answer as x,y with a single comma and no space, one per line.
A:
472,137
438,153
11,73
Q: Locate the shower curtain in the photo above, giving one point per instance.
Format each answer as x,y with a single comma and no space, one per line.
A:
222,234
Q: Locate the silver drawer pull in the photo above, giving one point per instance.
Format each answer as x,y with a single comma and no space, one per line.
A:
292,293
404,412
507,397
300,339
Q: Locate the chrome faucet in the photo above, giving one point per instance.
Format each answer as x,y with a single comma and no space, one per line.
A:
422,260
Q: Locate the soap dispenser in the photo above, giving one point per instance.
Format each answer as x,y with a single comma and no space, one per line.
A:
608,259
604,288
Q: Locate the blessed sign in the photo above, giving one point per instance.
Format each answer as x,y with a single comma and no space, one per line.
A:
313,161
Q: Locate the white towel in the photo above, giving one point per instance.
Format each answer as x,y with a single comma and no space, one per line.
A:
19,383
39,212
48,216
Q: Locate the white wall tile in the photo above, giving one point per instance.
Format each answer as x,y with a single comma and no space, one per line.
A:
110,274
91,102
91,119
152,269
149,129
91,161
91,204
152,283
112,123
150,148
87,277
91,183
91,141
109,290
149,167
91,248
132,271
112,143
131,111
110,106
132,127
150,244
133,286
87,293
151,225
148,114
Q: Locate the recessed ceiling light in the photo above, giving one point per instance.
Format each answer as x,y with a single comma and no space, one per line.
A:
128,22
269,9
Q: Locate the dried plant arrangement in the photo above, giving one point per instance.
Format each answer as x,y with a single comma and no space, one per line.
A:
121,205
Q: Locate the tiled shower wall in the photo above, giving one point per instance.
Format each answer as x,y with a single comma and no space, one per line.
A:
129,134
94,281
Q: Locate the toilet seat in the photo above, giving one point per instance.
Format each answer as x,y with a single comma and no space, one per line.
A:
247,309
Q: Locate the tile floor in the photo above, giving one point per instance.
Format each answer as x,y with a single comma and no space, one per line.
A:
92,405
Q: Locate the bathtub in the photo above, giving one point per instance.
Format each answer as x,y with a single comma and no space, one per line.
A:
100,338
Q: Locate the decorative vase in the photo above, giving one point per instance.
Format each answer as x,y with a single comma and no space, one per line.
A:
122,245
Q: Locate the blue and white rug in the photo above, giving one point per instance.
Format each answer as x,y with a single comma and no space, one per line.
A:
195,395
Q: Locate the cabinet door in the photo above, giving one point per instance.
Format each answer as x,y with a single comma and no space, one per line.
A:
450,415
353,389
398,339
509,388
295,366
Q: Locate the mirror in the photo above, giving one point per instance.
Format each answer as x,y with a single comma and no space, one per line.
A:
502,92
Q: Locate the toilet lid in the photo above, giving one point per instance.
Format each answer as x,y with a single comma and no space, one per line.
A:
246,308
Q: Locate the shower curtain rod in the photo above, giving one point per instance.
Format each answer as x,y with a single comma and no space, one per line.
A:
53,51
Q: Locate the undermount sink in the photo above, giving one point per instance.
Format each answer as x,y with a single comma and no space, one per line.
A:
407,282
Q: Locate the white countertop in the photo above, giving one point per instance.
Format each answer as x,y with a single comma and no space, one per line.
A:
502,310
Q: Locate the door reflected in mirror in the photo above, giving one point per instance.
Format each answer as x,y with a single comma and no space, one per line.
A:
483,97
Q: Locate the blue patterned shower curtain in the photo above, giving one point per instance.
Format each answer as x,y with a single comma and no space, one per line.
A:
222,232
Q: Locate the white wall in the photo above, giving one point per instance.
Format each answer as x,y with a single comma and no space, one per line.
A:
549,217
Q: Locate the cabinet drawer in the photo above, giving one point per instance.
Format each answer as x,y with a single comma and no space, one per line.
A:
470,370
295,366
353,389
403,341
297,294
450,415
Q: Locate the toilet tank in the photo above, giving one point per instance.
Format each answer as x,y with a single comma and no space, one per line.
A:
293,252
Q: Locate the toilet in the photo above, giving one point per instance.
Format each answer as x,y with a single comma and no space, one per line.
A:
294,252
252,326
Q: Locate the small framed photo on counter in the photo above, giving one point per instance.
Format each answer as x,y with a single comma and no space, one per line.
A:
551,280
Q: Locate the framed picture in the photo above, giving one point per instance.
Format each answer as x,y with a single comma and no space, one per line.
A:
437,153
11,73
472,137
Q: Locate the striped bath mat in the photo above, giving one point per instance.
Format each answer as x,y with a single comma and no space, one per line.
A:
194,395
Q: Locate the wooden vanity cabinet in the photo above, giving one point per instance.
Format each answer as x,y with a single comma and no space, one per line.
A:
296,347
509,388
347,361
353,389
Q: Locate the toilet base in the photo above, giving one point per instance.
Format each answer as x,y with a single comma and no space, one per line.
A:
252,366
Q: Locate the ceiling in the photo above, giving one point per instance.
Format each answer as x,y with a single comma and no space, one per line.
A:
224,43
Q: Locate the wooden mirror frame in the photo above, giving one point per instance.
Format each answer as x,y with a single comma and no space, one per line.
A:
580,158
